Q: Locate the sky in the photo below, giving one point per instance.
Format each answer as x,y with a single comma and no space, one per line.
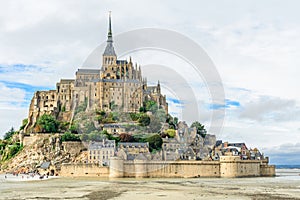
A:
253,44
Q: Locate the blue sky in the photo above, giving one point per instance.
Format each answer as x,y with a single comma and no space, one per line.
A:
227,104
253,44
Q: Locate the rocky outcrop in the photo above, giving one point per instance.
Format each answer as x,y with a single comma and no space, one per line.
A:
47,148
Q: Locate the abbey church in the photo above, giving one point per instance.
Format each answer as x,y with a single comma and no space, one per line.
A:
117,84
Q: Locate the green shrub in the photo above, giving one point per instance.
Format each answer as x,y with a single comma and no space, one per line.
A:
170,132
48,123
24,123
68,136
9,134
144,120
155,142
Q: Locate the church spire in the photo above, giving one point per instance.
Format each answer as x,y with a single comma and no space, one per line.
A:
109,35
109,50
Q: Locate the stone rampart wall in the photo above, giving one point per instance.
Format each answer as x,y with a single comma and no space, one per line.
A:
267,170
228,166
84,170
171,169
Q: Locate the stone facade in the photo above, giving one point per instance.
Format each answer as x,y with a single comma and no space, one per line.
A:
100,152
114,128
117,84
132,150
187,144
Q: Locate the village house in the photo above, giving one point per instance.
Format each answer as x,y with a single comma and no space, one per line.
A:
101,152
114,128
187,144
236,149
130,150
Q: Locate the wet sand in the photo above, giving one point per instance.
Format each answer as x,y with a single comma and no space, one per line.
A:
283,187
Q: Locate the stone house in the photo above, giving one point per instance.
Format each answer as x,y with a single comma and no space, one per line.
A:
114,128
101,152
130,150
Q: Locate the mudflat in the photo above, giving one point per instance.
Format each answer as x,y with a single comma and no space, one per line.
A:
197,188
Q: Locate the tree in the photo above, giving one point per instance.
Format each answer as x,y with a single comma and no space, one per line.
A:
170,132
10,151
24,123
175,121
144,120
151,106
84,137
142,109
155,142
200,128
155,125
96,136
124,137
9,134
48,123
88,127
81,107
74,128
68,136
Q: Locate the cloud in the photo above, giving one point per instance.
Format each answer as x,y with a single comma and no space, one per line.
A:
11,96
287,153
27,74
266,108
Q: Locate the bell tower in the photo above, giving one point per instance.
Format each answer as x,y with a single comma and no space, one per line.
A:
109,56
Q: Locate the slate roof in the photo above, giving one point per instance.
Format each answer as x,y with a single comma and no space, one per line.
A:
134,144
109,50
45,165
122,62
100,145
88,71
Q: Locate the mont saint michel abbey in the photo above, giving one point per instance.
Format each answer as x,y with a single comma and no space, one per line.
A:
117,82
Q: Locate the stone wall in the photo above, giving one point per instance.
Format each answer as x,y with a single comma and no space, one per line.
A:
228,166
267,170
169,169
74,148
233,166
29,140
84,170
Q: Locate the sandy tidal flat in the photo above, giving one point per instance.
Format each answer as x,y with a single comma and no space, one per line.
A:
285,186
